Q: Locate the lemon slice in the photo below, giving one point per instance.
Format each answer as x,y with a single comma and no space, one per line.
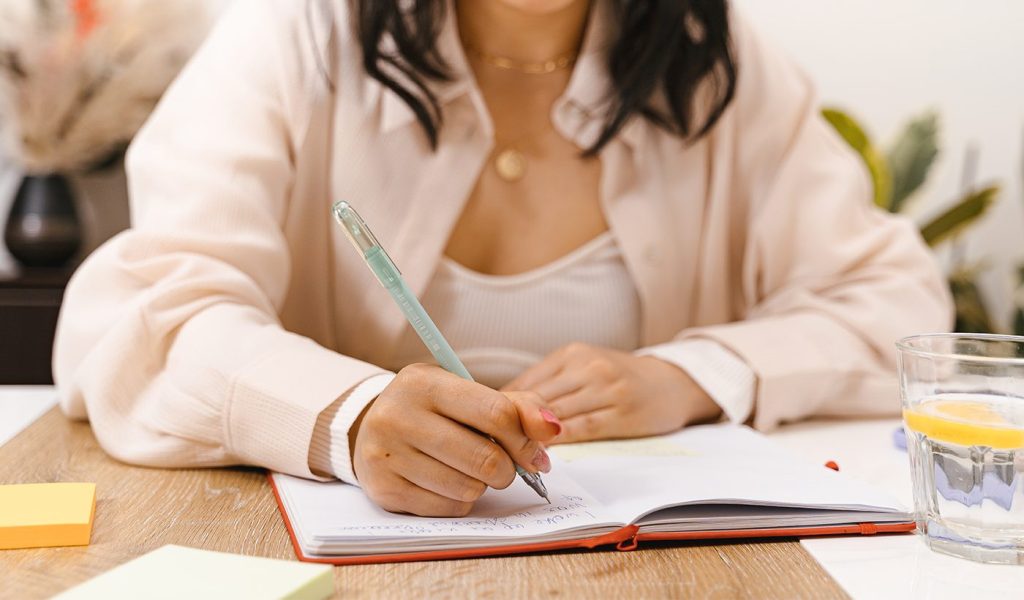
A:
963,423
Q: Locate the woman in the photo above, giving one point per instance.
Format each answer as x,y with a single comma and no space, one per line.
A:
627,216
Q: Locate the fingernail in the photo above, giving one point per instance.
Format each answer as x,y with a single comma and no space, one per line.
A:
551,418
541,461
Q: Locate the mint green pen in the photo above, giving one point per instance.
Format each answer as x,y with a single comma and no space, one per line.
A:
390,277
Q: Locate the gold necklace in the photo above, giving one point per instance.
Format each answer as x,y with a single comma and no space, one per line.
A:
510,164
510,161
561,61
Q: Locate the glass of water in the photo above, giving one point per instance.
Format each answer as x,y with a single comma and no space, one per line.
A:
963,412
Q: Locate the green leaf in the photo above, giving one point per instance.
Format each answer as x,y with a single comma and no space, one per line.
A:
912,156
972,315
963,213
854,134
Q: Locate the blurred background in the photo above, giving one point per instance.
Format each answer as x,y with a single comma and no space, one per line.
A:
889,62
931,93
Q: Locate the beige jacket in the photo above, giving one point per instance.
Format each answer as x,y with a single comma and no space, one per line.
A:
217,329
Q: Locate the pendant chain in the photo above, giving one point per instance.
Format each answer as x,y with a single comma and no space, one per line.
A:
509,162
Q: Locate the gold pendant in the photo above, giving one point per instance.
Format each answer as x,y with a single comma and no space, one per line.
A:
510,164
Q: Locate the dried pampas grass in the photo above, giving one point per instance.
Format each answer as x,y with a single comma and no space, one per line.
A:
79,77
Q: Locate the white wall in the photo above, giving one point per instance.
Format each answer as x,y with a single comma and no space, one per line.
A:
888,60
8,183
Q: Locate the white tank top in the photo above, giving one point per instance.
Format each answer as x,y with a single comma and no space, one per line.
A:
501,324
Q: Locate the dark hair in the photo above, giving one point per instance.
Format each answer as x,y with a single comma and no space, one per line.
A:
660,47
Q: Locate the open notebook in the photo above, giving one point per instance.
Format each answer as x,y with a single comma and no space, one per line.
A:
704,482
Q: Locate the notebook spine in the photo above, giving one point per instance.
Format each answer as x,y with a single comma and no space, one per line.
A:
629,543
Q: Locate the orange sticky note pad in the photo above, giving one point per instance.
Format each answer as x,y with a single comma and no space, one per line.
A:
36,515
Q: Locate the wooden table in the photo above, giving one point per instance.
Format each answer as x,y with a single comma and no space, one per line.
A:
233,510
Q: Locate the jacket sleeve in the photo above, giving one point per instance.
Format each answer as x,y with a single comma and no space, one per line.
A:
169,340
829,281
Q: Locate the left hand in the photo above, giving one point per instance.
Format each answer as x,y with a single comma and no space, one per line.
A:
601,393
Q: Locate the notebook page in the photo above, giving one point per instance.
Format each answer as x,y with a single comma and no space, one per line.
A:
714,464
337,518
705,517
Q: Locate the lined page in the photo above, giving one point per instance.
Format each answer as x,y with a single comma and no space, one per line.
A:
338,518
595,488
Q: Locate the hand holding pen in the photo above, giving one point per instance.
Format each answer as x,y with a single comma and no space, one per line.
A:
422,446
480,435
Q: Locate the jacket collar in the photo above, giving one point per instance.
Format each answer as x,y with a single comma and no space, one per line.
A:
395,113
578,114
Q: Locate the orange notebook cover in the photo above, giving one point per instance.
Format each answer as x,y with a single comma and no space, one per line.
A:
711,482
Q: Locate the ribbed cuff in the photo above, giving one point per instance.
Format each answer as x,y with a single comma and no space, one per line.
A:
329,450
275,401
725,377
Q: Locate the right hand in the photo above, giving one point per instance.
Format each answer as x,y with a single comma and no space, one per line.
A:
420,447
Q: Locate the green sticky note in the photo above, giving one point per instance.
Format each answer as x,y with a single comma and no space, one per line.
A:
179,572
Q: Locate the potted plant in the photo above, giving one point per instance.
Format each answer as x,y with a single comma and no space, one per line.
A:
77,80
898,173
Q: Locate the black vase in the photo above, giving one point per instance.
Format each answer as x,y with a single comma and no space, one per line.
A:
43,228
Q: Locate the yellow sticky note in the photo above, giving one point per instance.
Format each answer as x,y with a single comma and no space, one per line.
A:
176,572
36,515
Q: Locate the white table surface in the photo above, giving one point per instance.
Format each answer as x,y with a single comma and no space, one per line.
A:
20,406
883,566
889,566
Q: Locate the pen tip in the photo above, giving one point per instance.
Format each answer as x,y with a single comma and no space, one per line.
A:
548,499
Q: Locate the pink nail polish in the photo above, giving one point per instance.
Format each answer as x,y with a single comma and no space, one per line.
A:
542,461
551,418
